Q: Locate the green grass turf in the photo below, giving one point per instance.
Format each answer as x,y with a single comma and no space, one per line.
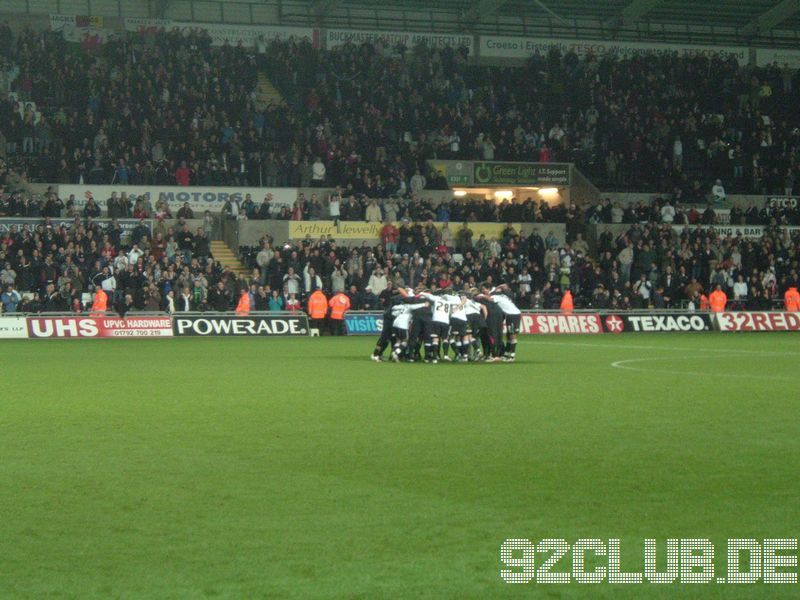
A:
253,468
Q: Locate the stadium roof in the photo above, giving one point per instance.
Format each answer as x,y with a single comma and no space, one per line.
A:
724,20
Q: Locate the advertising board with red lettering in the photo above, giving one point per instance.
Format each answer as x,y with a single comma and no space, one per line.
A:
99,327
560,323
758,321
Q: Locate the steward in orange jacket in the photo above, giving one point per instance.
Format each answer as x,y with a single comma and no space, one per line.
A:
317,309
100,303
791,300
339,304
243,308
718,300
567,303
704,302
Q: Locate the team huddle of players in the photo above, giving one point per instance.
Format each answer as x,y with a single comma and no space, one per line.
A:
467,323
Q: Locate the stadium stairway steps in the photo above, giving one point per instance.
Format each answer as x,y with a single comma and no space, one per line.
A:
227,257
268,93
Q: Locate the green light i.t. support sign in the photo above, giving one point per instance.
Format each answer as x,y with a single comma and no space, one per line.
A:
501,173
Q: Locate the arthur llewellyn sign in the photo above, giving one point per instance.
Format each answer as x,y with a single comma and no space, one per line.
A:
495,173
343,230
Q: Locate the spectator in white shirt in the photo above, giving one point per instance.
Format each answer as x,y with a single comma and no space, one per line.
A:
170,302
134,254
377,281
318,172
617,214
556,133
740,291
455,143
108,282
677,152
334,206
718,192
291,281
667,213
418,183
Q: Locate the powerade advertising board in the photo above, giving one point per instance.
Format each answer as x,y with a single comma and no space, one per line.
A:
229,325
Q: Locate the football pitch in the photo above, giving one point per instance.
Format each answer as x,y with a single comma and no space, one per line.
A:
273,468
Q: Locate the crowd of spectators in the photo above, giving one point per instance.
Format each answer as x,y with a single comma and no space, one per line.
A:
167,107
649,123
636,259
646,265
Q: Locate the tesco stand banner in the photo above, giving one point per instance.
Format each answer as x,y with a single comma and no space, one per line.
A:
99,327
554,323
232,325
758,321
494,46
200,198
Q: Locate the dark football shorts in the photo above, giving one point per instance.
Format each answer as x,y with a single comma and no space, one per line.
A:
458,327
441,330
512,324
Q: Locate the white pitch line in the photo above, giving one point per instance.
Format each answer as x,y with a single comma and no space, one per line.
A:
624,364
671,348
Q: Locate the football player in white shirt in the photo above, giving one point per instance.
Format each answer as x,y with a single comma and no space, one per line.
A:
440,330
458,325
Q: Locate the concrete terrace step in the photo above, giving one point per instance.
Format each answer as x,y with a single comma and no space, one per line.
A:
227,257
268,93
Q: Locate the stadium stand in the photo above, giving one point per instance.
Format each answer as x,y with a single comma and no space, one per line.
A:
367,118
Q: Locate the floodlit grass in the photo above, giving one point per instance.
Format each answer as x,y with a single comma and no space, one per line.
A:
255,468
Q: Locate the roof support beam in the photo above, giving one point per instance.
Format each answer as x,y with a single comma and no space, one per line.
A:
771,18
160,7
322,7
631,13
482,8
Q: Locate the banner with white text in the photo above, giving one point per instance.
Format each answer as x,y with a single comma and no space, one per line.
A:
758,321
495,46
250,36
200,198
99,327
243,326
339,37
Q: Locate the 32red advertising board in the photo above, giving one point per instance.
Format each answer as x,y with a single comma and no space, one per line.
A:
758,321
